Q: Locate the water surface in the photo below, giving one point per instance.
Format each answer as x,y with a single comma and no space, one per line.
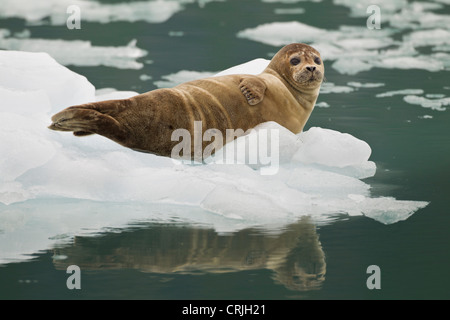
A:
173,258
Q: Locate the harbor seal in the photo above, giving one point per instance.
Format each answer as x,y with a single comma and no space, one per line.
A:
285,92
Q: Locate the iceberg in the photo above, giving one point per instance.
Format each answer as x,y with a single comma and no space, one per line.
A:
66,185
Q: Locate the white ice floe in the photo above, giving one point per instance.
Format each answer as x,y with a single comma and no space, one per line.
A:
365,85
25,72
322,104
351,66
434,104
255,67
289,1
330,87
399,92
291,11
112,94
180,77
77,52
406,27
433,37
54,184
56,11
282,33
358,8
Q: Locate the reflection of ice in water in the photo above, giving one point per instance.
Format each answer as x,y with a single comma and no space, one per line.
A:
320,171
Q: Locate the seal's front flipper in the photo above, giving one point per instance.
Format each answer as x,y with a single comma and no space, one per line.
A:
253,89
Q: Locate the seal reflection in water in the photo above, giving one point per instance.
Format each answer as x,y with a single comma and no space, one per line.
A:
295,256
285,92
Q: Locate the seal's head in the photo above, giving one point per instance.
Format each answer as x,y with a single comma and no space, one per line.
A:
300,65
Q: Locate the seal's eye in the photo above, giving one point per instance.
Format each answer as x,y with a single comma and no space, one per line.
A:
295,61
317,60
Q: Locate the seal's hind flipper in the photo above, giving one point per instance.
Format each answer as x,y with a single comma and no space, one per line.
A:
82,133
88,119
253,89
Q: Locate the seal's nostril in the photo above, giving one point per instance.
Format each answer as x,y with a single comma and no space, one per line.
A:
311,68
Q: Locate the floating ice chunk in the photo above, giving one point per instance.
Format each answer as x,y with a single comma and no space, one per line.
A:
282,33
322,104
362,48
254,67
330,87
235,204
112,94
151,11
317,168
405,49
362,32
444,47
328,50
319,172
289,1
424,38
399,92
420,62
22,145
434,95
366,43
351,66
388,210
289,11
444,58
328,185
79,52
359,8
362,170
331,148
12,192
264,147
38,71
415,17
28,103
180,77
365,85
145,77
434,104
176,33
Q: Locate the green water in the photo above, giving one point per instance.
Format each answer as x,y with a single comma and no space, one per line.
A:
182,261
